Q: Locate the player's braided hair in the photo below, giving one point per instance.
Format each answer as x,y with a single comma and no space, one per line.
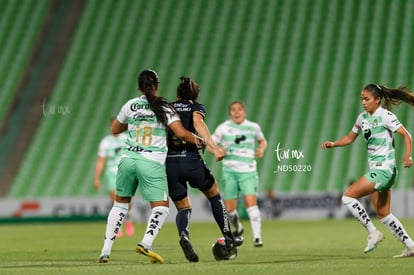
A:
391,96
188,89
148,84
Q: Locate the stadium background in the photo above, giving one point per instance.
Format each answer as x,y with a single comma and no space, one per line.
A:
66,67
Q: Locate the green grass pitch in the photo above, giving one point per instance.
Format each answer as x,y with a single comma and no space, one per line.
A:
290,247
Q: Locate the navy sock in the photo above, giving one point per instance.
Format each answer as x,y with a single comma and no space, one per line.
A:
220,215
182,220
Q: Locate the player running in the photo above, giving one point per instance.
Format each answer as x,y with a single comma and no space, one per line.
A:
378,126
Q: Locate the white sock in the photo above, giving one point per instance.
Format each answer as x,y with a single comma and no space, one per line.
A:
397,230
114,222
157,218
235,220
359,212
255,221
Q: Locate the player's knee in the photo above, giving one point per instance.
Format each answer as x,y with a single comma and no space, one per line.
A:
346,200
183,204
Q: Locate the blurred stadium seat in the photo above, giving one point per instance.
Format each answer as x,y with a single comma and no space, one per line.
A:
298,65
20,24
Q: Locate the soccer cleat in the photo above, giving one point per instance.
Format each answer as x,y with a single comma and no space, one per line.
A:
147,251
103,259
238,241
231,244
408,252
257,242
129,228
239,232
188,250
373,240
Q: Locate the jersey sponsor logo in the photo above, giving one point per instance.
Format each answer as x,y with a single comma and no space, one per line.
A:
238,139
139,106
137,149
141,116
117,150
181,107
367,134
366,128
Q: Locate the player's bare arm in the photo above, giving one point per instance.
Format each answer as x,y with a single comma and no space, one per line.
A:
118,127
179,130
204,132
407,160
346,140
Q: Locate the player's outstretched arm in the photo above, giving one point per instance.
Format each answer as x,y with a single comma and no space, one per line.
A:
346,140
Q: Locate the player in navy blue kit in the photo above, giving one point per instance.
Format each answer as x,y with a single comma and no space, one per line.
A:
185,165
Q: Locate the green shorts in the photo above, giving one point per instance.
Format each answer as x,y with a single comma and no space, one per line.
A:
234,183
149,176
109,181
383,179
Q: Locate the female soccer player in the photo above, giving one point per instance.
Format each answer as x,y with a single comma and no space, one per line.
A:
185,165
378,126
145,118
240,137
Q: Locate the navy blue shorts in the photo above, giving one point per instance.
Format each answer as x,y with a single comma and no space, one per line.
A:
186,168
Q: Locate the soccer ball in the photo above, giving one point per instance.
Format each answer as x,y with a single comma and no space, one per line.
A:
220,253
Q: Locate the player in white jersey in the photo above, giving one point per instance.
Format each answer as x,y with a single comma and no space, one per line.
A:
240,138
109,156
145,119
378,126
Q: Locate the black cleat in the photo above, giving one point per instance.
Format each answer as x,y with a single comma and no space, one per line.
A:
232,244
238,233
188,250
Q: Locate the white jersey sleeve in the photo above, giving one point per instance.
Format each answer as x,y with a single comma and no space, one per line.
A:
391,121
123,113
357,126
259,133
218,133
102,147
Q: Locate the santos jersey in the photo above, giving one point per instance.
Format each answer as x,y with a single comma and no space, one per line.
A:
240,141
146,136
185,109
110,148
378,130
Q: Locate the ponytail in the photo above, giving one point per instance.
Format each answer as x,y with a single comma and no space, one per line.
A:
148,84
391,96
